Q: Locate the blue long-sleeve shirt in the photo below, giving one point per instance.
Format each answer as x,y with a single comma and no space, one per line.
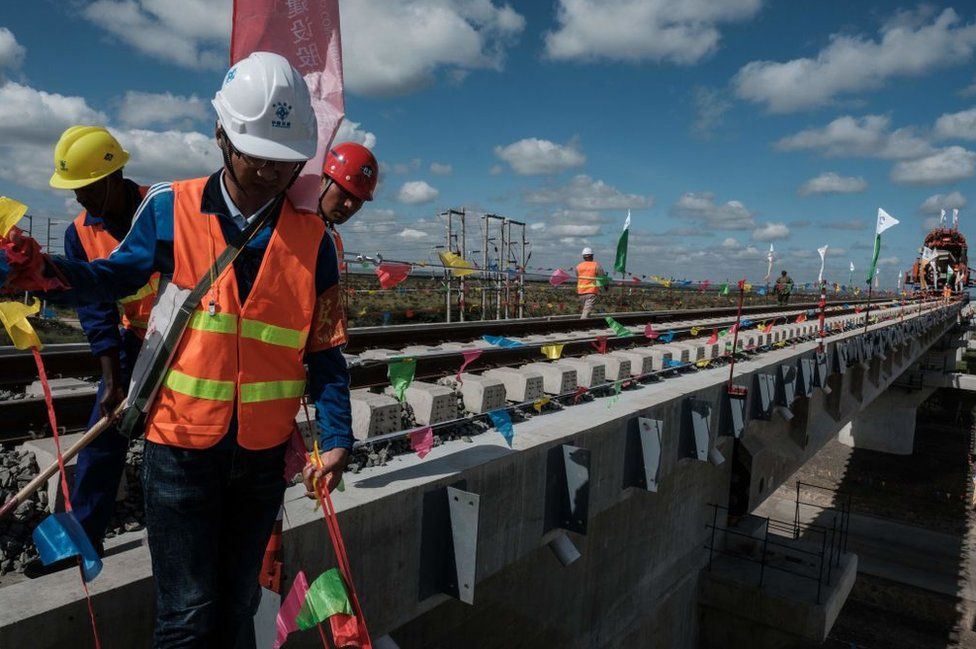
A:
148,247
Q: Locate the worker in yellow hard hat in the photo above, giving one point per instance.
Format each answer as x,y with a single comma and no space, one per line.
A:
89,161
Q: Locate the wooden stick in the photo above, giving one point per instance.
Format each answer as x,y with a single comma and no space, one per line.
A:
44,475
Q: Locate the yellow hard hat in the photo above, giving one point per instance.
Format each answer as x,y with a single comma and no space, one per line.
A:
86,154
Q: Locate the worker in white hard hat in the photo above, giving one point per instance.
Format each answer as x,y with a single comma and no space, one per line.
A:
589,278
216,433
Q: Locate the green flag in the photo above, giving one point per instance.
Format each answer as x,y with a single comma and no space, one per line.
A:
725,288
400,374
618,328
620,264
326,597
602,280
885,221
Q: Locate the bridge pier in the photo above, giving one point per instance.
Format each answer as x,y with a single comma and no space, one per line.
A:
888,423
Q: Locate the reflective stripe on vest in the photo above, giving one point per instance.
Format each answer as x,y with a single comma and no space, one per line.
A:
271,390
200,388
587,279
226,323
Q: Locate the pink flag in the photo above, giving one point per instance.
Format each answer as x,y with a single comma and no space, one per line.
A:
559,276
307,34
290,608
469,356
391,274
600,344
649,332
422,441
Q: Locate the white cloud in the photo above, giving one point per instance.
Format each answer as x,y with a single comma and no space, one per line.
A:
869,136
960,126
140,109
585,193
833,183
350,131
677,31
710,108
532,156
730,242
731,215
944,166
11,52
412,235
169,155
32,120
35,116
416,192
189,33
910,44
401,168
393,48
439,169
771,232
572,230
937,202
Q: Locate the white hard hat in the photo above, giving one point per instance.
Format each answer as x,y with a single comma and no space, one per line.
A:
587,252
265,110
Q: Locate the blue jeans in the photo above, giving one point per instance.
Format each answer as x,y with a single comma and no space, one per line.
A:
100,464
209,515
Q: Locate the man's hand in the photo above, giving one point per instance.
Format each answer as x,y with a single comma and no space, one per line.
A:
114,392
328,474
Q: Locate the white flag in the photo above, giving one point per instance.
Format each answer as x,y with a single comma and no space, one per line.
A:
955,218
823,255
852,266
885,221
942,220
899,281
877,273
769,267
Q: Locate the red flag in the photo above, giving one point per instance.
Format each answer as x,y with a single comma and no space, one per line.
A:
307,34
649,332
580,391
346,631
600,344
635,280
390,274
408,313
742,284
767,328
704,286
421,441
469,356
559,276
801,318
713,338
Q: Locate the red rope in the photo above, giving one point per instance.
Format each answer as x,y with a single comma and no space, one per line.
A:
52,419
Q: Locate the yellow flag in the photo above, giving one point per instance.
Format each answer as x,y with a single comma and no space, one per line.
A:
538,403
703,363
695,330
747,287
11,211
458,265
552,352
14,318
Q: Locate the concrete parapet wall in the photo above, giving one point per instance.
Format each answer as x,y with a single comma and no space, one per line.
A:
641,554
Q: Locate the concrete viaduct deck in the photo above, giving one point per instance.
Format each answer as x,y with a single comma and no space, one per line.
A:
467,547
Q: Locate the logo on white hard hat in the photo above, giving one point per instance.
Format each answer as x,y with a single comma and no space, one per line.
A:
281,111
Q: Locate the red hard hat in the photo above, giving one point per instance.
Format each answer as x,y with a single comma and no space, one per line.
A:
354,167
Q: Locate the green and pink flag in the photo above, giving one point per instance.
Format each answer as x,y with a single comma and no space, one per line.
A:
307,606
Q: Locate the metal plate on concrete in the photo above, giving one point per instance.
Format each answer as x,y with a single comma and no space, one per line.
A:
820,376
695,429
786,385
651,437
764,389
840,358
806,365
734,413
567,489
449,543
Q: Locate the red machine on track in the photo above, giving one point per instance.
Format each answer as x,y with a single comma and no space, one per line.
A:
943,259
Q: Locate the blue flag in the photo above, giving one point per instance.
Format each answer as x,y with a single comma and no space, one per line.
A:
666,338
503,423
60,536
670,362
761,290
501,341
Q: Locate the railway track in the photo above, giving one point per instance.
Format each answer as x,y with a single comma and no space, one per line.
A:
26,418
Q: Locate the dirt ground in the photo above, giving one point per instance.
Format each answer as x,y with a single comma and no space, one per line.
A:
929,489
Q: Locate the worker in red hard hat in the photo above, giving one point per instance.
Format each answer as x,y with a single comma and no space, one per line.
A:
349,178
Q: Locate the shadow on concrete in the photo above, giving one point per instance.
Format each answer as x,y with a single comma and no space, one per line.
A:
455,462
910,522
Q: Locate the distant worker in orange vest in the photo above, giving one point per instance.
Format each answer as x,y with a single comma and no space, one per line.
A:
589,278
349,177
89,161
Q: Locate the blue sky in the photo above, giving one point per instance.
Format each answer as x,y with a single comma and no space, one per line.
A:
723,125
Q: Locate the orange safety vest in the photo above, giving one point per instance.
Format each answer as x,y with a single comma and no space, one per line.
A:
333,302
98,243
586,274
245,355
